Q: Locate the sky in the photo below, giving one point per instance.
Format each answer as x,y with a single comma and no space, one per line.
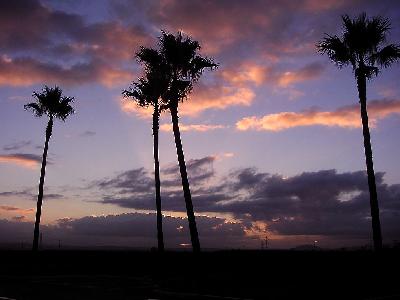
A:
272,138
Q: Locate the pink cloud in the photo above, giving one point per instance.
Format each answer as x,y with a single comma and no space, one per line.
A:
30,161
21,211
347,117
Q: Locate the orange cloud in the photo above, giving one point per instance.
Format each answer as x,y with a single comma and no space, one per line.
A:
203,98
347,117
245,73
21,211
250,72
216,98
308,72
29,161
130,107
192,127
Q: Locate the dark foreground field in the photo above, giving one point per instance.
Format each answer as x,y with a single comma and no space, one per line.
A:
215,275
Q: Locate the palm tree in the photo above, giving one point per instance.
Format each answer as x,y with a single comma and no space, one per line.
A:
147,92
185,66
48,102
361,46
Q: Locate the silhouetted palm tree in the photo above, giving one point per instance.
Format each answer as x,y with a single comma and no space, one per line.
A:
147,91
49,102
185,66
362,46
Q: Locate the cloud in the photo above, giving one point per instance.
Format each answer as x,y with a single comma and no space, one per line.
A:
308,72
54,46
19,218
219,95
25,71
52,196
245,73
25,160
135,188
216,97
16,193
337,210
130,230
232,24
346,117
192,127
56,32
130,107
17,210
133,181
16,146
88,133
256,74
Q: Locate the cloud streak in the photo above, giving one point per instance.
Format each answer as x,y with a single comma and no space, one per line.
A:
17,210
26,160
25,71
192,127
345,117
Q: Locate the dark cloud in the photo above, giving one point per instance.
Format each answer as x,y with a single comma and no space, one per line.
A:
133,230
40,44
88,133
15,193
29,194
134,181
16,146
279,27
52,196
29,25
311,203
23,71
199,171
19,218
135,188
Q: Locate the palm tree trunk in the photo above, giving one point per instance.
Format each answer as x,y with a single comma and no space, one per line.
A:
49,130
160,238
373,196
185,182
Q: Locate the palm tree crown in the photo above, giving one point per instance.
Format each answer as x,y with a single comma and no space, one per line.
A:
361,45
51,103
180,56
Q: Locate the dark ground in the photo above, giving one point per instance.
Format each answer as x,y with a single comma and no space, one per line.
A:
213,275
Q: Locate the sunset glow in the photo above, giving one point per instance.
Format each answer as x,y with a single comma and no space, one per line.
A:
272,138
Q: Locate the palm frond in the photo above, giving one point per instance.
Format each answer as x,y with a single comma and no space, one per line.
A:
377,29
386,56
149,57
35,108
64,109
336,50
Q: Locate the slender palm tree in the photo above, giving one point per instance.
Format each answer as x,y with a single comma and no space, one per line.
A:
362,47
185,66
146,92
48,102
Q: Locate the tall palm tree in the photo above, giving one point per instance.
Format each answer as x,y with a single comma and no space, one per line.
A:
185,66
48,102
146,92
362,47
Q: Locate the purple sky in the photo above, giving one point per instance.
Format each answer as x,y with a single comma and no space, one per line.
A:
272,138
